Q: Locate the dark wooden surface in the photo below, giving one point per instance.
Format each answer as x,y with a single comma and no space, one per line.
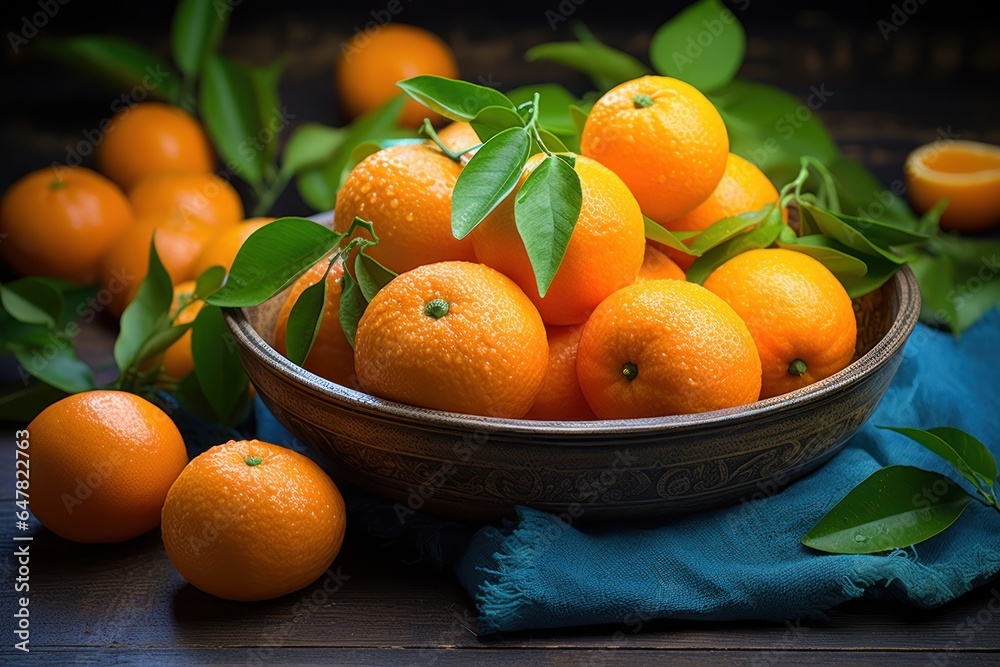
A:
125,603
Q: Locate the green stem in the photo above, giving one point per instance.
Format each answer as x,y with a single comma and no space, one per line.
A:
532,125
830,186
428,129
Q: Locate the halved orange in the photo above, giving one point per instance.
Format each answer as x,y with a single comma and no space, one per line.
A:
966,173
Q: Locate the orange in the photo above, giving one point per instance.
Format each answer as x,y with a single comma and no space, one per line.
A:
604,253
102,462
221,251
248,520
560,397
453,336
331,356
666,347
663,138
743,188
178,243
406,192
150,138
798,313
966,173
199,196
59,222
373,61
459,136
178,361
657,266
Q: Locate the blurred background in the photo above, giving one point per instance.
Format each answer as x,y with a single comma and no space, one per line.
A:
900,73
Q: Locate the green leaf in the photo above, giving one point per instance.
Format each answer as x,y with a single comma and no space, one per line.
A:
606,67
884,234
552,142
310,145
209,281
772,129
727,228
304,321
831,225
936,277
352,306
217,365
491,121
579,116
148,313
554,103
974,288
454,99
660,234
271,116
371,275
32,300
160,341
894,507
228,106
376,124
962,451
196,31
117,62
862,195
846,267
189,394
703,45
762,237
546,210
56,364
23,405
272,258
490,176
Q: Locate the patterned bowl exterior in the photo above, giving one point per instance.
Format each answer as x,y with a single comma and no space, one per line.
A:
472,467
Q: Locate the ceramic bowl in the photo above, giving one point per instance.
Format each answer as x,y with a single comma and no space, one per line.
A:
473,467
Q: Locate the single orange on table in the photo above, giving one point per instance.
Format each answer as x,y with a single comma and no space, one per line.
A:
666,347
331,355
604,252
222,250
178,243
800,316
60,222
656,265
560,398
455,336
178,361
664,138
966,173
373,61
103,463
150,138
249,520
405,191
192,195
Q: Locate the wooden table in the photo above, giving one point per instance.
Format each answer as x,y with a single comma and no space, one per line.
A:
125,603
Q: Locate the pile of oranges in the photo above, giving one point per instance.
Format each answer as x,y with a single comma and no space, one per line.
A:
620,333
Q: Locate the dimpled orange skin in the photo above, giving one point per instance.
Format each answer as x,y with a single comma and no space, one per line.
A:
405,191
795,309
603,255
331,355
102,462
560,398
150,138
966,173
222,249
743,188
178,361
486,356
372,62
60,222
671,154
252,532
178,243
691,351
657,266
204,197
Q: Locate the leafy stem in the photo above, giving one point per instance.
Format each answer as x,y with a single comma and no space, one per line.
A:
428,129
532,125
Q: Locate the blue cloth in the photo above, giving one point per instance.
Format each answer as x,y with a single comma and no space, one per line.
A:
739,562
